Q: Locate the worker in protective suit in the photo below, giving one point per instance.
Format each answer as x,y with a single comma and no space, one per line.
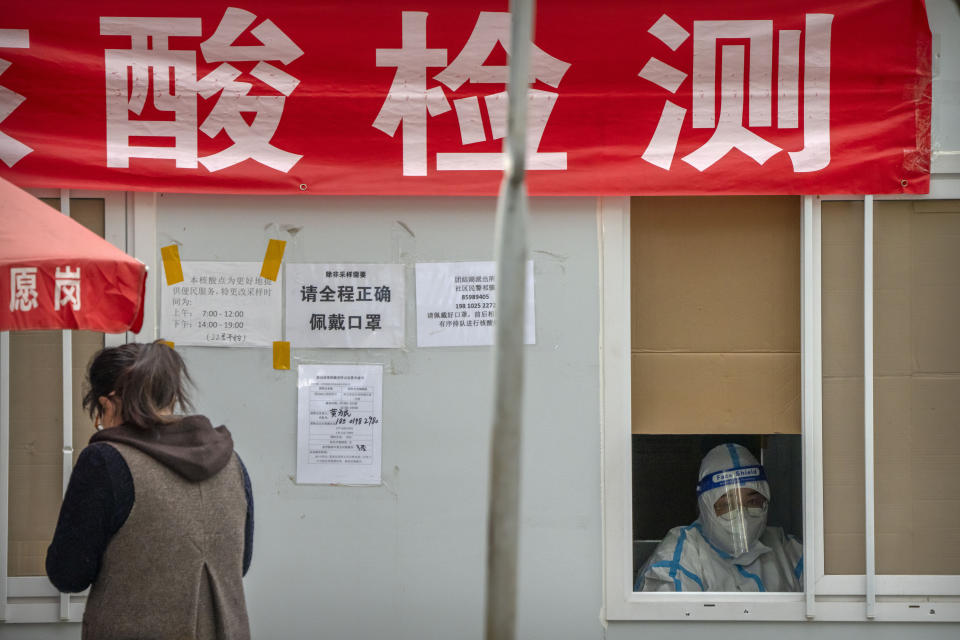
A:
729,547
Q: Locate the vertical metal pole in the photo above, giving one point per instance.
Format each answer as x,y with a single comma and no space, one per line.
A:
871,586
4,466
511,254
66,362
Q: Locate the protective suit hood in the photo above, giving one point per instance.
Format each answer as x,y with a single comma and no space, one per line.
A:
726,468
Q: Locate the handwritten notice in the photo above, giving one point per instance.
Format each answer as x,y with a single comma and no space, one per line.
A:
352,306
221,304
456,304
339,424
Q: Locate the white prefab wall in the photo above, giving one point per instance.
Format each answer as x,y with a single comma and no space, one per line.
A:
406,559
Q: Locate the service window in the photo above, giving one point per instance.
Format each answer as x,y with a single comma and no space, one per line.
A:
715,359
750,323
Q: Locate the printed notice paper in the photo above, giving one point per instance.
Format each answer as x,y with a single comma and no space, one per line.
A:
355,306
339,409
221,304
456,304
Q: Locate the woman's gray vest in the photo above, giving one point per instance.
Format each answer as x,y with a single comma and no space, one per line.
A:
174,570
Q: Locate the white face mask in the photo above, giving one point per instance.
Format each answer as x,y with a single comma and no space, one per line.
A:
737,531
746,511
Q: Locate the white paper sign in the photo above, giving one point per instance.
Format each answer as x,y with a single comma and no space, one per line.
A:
221,304
354,306
456,304
339,424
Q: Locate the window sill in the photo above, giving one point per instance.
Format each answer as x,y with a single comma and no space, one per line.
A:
782,607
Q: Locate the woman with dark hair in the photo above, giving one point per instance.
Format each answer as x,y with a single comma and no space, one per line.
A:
158,514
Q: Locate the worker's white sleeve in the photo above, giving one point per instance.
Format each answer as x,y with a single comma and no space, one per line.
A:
668,568
793,548
670,577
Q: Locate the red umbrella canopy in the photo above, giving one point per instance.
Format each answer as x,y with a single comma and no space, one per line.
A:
57,274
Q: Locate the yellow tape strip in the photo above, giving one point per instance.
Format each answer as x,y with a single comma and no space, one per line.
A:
272,259
171,264
281,355
168,343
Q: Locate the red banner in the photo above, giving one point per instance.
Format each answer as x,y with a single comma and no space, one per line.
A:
398,97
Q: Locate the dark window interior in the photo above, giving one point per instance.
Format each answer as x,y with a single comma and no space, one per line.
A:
665,471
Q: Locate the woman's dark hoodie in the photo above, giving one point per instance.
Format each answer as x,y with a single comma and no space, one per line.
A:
101,494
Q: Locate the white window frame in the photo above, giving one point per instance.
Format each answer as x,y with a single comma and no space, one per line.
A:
33,598
827,598
878,589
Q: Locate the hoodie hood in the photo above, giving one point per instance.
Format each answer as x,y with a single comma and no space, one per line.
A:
191,445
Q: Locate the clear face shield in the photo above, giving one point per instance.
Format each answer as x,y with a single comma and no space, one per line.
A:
733,509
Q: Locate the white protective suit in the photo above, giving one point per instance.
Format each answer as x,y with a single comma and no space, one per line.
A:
733,553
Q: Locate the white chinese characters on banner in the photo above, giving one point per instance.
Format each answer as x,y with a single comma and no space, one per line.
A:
351,306
23,289
149,61
456,304
66,288
409,100
729,130
221,304
11,149
339,424
25,297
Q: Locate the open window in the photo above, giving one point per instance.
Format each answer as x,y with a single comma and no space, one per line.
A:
868,470
715,356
